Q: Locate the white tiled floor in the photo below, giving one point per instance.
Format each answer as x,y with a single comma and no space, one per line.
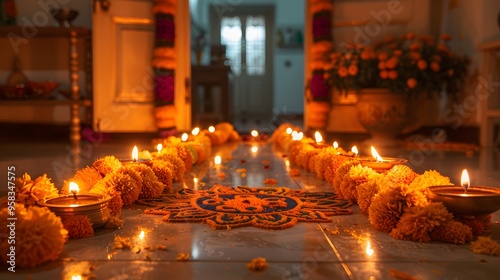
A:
305,251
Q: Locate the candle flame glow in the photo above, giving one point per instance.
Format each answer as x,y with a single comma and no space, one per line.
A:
465,181
289,130
184,137
318,137
335,145
159,147
73,187
135,153
211,129
141,235
255,149
354,150
76,277
217,160
195,131
254,133
369,250
297,136
376,155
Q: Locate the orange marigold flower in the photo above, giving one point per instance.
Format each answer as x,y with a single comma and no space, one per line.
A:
415,46
393,75
446,37
442,47
382,65
422,64
398,52
415,55
435,66
383,56
392,62
353,70
410,36
411,83
365,55
384,74
436,58
343,72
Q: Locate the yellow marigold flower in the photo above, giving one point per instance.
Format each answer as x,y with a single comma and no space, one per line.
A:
40,236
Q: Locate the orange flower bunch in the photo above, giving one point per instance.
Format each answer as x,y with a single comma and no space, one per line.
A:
404,64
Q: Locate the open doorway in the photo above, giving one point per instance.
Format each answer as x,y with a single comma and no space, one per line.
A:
247,34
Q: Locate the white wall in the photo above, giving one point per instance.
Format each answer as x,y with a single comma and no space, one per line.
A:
288,82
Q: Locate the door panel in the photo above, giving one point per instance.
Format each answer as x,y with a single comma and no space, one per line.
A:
123,42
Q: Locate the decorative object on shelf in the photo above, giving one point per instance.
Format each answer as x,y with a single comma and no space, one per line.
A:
42,90
318,95
8,12
64,16
164,65
289,37
409,68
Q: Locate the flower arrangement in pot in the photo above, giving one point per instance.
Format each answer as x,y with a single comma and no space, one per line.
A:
398,72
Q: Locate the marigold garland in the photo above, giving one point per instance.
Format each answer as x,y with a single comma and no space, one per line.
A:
28,192
78,226
486,246
40,236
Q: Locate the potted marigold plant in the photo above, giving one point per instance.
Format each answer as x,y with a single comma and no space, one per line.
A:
392,75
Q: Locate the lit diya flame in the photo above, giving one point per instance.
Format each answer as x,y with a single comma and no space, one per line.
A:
159,147
297,136
195,131
184,137
289,130
465,182
318,137
254,149
217,160
141,235
354,150
211,129
335,145
76,277
375,155
254,133
369,250
135,154
74,189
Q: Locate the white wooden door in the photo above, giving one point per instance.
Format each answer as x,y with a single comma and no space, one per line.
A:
247,33
123,41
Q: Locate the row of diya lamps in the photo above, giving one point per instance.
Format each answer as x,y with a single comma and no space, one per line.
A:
95,206
461,200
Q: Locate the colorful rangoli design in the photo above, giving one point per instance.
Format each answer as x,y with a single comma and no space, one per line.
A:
224,207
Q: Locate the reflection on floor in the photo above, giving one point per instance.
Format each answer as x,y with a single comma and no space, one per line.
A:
347,248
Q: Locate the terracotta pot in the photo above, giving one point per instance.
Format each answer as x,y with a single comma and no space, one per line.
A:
384,115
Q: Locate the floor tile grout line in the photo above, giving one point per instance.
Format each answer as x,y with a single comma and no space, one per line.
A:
336,251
